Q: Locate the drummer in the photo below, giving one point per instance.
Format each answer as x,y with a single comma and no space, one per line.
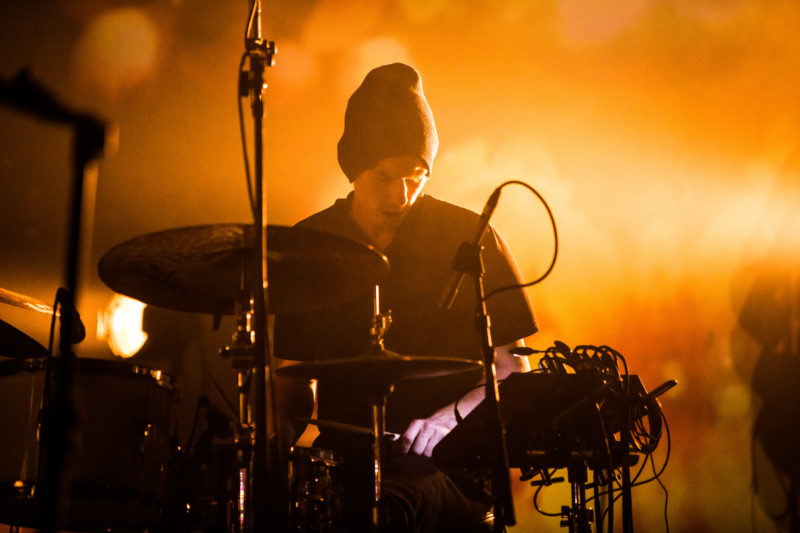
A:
387,152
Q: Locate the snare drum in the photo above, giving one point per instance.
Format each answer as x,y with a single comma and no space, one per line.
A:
315,490
116,470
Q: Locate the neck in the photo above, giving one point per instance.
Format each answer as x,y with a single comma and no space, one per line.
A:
379,235
379,232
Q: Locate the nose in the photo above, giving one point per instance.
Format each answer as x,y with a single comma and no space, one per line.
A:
398,194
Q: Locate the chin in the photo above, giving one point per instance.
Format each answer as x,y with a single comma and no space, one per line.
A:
395,218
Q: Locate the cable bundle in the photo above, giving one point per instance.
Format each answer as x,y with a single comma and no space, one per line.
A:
628,421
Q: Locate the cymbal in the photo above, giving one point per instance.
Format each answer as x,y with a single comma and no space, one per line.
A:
14,343
25,302
203,268
383,366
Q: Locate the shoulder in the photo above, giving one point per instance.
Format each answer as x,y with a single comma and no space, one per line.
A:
430,209
444,218
435,205
335,219
322,220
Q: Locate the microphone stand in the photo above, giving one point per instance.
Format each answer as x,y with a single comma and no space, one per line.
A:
26,94
469,260
60,415
260,54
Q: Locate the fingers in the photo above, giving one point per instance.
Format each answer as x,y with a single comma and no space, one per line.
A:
432,442
410,435
422,436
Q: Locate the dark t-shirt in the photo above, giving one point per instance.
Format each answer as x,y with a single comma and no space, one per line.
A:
420,267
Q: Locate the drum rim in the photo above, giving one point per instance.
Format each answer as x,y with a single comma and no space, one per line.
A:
93,365
315,453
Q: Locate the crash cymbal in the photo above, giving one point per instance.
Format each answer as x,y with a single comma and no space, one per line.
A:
14,343
25,302
382,366
201,268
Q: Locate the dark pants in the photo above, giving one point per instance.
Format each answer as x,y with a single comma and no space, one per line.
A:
416,494
420,497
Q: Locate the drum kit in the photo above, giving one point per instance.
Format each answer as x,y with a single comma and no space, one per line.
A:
126,446
116,475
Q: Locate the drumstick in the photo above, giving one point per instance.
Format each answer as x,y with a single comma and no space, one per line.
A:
345,427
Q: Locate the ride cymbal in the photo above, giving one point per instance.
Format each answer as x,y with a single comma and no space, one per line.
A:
204,269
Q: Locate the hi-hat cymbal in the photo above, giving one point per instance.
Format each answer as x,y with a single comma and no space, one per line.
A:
382,366
14,343
203,268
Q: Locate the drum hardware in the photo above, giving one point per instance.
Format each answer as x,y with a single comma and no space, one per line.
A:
123,447
205,481
200,270
380,370
205,269
241,352
315,491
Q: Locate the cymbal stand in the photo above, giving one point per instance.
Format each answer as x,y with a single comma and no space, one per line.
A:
260,54
241,352
380,391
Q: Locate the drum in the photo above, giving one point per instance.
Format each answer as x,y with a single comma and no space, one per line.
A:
122,445
208,492
315,490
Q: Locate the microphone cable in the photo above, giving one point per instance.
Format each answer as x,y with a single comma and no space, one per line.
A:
555,241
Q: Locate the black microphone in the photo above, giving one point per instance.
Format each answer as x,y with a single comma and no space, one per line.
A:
78,332
450,293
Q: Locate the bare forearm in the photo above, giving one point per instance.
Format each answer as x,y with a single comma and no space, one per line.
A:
422,435
505,364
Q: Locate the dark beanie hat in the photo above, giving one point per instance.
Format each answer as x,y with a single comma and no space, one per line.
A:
387,116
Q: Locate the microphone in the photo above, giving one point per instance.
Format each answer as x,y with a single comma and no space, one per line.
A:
78,332
450,293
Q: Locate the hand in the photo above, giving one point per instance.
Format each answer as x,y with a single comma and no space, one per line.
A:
422,435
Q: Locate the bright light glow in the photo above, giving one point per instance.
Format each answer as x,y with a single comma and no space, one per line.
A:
368,55
298,65
423,10
589,22
117,52
121,326
335,25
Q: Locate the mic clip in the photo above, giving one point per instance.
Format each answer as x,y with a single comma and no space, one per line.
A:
467,259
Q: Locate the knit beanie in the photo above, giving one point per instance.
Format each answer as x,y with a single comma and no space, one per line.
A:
387,116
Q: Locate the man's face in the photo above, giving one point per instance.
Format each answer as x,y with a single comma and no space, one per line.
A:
384,194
